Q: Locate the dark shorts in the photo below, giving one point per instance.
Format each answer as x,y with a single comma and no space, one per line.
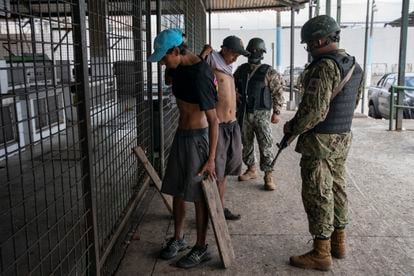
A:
229,150
188,153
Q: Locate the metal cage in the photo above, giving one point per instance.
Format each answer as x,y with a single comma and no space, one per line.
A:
76,95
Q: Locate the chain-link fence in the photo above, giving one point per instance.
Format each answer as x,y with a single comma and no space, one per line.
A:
44,202
76,96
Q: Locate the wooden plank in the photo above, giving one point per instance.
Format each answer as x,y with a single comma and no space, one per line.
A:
168,200
221,231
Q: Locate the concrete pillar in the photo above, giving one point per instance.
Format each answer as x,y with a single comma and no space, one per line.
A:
328,7
318,8
369,48
338,11
363,110
278,42
209,27
310,16
291,105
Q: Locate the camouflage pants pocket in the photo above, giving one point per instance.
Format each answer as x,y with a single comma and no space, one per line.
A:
339,192
317,195
248,136
340,144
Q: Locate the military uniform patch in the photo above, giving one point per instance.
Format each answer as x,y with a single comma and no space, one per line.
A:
313,86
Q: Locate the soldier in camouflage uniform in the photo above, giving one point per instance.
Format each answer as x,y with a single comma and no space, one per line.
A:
332,88
260,89
298,84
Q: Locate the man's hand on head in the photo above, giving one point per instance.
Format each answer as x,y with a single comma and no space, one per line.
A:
207,49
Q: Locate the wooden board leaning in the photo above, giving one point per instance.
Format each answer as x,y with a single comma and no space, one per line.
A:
221,231
139,152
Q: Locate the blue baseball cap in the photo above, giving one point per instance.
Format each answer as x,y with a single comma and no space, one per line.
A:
164,41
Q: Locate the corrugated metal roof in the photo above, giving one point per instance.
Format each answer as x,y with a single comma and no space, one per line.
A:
244,5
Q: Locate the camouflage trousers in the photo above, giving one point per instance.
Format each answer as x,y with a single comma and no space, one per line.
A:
324,194
257,124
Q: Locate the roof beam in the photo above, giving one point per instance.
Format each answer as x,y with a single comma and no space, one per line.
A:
235,6
291,3
286,2
272,7
204,6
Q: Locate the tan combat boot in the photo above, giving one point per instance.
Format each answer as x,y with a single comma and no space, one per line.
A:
250,173
338,243
268,182
319,258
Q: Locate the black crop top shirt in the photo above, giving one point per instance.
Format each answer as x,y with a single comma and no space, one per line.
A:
195,84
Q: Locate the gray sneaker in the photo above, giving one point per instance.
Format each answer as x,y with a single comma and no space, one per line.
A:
172,248
196,256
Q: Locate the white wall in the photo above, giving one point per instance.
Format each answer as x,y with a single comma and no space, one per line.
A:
385,46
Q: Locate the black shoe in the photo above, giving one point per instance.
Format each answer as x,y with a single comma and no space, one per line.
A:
197,255
173,247
230,216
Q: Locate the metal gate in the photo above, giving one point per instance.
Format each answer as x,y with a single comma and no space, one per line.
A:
76,96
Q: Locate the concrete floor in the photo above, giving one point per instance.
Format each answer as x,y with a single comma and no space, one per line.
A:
274,226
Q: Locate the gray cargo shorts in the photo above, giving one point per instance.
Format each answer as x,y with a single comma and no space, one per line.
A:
229,150
188,154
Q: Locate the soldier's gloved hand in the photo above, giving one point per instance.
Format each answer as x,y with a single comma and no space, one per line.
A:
275,118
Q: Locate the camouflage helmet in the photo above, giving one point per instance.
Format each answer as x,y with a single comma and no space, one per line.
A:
318,27
256,43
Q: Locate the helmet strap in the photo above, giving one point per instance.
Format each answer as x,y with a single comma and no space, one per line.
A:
255,57
254,60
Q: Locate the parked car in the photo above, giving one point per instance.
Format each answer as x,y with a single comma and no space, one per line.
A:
379,96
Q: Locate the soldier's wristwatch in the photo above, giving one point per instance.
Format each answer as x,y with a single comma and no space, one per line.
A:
277,112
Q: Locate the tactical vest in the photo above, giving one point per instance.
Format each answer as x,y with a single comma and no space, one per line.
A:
254,91
341,108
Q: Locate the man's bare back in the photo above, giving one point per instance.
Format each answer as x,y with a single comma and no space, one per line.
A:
226,106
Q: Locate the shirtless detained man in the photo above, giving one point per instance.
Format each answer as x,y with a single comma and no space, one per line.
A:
229,147
193,151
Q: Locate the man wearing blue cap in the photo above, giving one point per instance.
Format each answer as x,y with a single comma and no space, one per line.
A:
192,154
